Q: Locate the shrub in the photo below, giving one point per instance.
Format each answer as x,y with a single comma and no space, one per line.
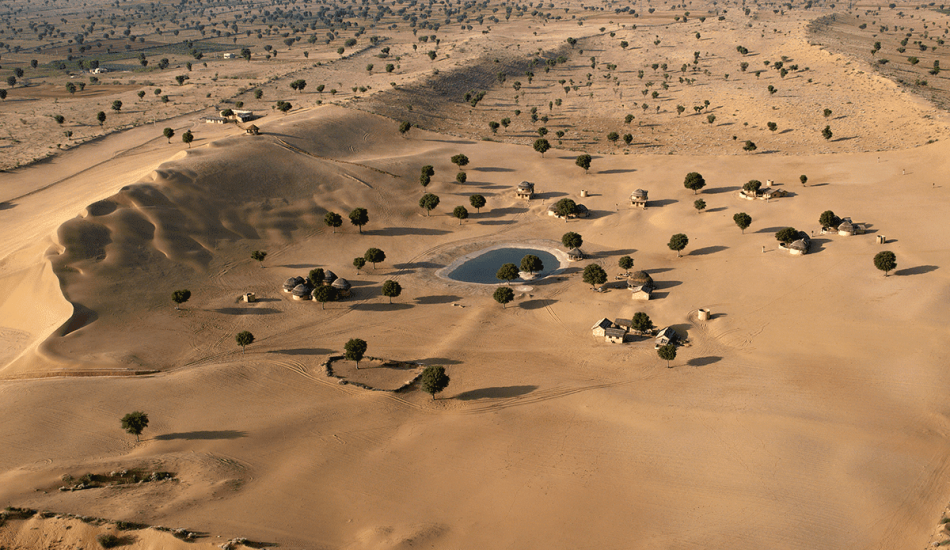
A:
108,540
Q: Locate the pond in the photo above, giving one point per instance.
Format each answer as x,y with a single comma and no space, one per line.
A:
482,266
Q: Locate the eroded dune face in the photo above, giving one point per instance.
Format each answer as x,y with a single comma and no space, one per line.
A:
120,261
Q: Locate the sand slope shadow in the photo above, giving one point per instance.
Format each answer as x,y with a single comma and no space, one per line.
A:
215,434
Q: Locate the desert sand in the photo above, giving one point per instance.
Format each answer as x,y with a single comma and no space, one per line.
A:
807,412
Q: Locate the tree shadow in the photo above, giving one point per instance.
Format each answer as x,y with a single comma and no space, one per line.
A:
302,351
719,190
202,435
550,195
436,361
919,270
708,250
658,270
499,212
455,141
297,266
703,361
711,210
443,299
496,222
404,231
7,205
536,304
246,310
618,171
381,307
498,392
608,253
492,169
817,245
771,229
662,285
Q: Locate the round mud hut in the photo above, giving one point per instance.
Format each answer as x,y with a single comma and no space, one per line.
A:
302,291
342,287
291,283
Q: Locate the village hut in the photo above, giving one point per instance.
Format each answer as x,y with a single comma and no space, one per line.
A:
525,190
575,254
302,291
639,198
600,327
848,228
640,285
253,130
625,324
801,245
614,335
329,277
249,297
342,287
291,283
772,193
665,336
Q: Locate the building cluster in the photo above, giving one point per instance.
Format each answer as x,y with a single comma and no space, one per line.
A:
303,289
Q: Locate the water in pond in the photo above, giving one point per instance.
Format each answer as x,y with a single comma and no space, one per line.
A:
482,268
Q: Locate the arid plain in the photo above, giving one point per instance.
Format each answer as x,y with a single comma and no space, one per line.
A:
808,412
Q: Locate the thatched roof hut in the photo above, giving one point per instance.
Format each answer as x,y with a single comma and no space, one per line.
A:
639,278
329,277
801,245
302,291
292,283
575,254
253,130
342,287
580,212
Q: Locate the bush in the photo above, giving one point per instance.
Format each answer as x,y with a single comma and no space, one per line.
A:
108,540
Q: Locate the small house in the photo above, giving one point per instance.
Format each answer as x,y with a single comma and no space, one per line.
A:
302,291
242,116
214,119
639,198
600,327
614,335
575,254
99,70
342,287
772,193
253,130
665,336
525,190
625,324
229,56
291,283
640,285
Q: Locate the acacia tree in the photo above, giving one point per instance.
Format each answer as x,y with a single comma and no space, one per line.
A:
594,275
354,351
625,263
460,160
572,240
885,261
678,242
429,202
391,289
828,219
667,353
477,202
258,256
333,220
434,380
244,339
826,132
749,146
803,178
180,297
641,322
358,263
742,220
503,295
699,205
101,117
507,272
169,133
359,217
461,213
752,186
531,264
694,181
324,294
188,137
786,235
374,256
542,146
404,127
461,177
565,208
584,161
316,277
135,423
